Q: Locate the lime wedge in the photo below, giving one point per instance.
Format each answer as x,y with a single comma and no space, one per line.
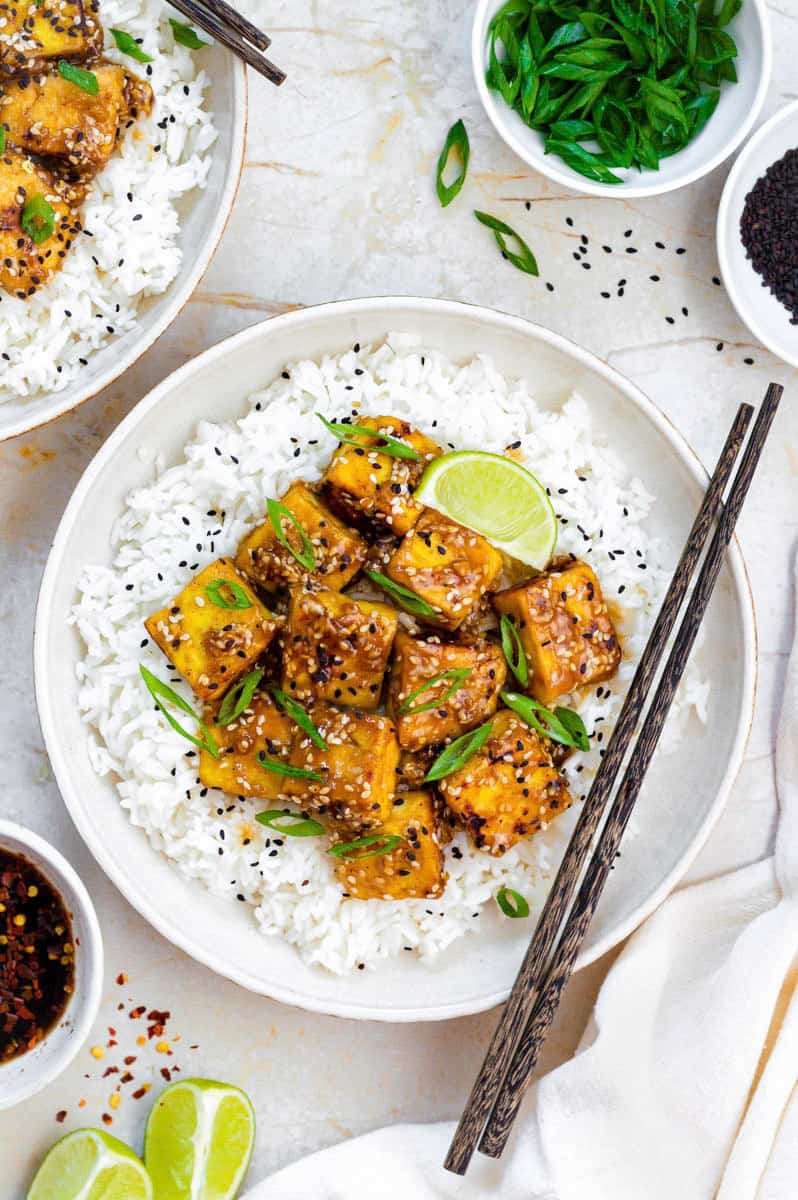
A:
495,497
91,1165
199,1141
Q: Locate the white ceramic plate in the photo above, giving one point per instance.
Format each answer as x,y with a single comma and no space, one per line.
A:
203,216
682,797
765,316
737,110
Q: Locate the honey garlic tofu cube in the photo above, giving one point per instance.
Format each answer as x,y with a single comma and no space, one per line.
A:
371,489
414,870
337,648
213,633
262,728
339,551
34,32
416,662
447,565
507,790
565,629
358,770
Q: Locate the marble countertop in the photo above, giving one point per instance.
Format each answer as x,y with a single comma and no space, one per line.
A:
337,200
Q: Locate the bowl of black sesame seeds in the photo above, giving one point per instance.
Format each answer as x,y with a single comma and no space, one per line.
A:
757,234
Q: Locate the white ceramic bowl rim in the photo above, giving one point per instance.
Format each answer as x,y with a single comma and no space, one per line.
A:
48,715
43,1064
59,403
549,165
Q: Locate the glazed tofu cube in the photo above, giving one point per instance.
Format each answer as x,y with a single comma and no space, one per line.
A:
25,265
339,551
507,790
371,489
414,870
447,565
211,634
565,629
34,32
49,115
358,770
417,662
337,648
262,727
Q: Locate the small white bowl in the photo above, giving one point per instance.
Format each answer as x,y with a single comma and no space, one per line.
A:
24,1076
765,316
737,110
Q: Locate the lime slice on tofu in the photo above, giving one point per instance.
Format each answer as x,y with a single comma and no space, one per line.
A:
91,1165
496,497
199,1140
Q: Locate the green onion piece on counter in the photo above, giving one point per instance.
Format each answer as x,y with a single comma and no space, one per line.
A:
562,725
372,846
512,903
458,752
523,258
238,698
458,676
279,513
457,140
393,447
290,824
163,694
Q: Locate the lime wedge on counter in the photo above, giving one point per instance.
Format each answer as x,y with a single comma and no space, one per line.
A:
91,1165
495,497
199,1141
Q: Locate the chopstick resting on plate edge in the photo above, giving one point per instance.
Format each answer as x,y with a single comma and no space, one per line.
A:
520,1003
525,1059
233,30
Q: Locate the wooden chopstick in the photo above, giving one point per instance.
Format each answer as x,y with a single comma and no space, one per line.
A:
233,30
501,1120
520,1002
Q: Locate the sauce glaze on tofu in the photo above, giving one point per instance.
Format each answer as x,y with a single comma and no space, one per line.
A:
414,870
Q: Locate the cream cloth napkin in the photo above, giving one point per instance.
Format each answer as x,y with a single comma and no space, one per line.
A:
685,1081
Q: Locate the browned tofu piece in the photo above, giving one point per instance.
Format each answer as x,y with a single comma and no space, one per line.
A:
337,648
509,789
374,490
358,771
418,661
565,629
34,33
262,727
339,551
414,870
447,565
51,116
25,266
209,644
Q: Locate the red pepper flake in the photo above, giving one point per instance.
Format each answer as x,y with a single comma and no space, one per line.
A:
107,1119
110,1071
167,1074
139,1092
111,1031
159,1020
121,979
137,1012
126,1078
61,1116
129,1060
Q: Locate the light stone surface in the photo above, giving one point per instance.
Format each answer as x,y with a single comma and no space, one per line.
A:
337,200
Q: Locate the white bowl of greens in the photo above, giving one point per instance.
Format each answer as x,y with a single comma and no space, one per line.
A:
622,104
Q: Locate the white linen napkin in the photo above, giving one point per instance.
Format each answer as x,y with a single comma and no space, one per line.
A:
685,1083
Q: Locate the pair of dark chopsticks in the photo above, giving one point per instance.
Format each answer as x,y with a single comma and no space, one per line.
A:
517,1041
233,30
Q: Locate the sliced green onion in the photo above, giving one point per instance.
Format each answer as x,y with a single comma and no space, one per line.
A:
523,259
388,445
185,35
278,767
297,714
2,139
38,219
85,80
456,139
161,693
458,676
128,45
277,513
513,649
563,725
458,752
403,596
297,826
238,698
236,597
512,903
383,843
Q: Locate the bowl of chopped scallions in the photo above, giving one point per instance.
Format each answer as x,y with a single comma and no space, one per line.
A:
622,97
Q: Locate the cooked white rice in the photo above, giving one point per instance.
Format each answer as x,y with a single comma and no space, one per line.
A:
129,249
173,526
